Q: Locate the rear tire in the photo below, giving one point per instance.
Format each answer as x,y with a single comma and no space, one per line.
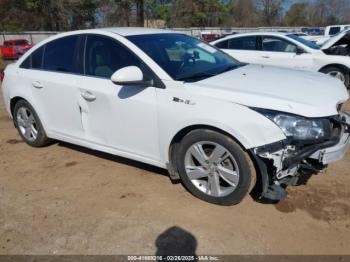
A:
214,168
29,125
337,73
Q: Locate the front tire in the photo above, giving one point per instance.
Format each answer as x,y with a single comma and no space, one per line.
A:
214,168
338,73
29,125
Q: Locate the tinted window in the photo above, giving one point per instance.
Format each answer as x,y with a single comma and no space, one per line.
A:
22,42
60,55
37,58
243,43
184,58
34,61
104,56
27,63
334,30
275,44
222,44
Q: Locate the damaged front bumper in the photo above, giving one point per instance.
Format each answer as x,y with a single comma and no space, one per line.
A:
338,151
284,163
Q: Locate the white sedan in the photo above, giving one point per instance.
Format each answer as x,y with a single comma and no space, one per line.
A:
291,51
172,101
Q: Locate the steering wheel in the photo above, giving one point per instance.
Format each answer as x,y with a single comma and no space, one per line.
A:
188,58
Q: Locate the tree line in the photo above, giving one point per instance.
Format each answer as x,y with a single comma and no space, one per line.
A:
62,15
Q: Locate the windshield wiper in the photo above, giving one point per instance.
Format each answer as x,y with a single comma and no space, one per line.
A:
195,76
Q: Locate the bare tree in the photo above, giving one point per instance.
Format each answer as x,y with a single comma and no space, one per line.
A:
270,11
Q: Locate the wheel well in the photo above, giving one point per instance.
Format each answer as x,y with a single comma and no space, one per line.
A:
177,139
340,66
13,102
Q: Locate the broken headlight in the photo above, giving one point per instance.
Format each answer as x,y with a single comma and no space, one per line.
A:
298,127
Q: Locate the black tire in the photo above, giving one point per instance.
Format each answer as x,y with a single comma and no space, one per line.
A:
330,69
243,161
41,138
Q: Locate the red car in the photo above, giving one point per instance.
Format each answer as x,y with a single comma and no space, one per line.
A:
13,49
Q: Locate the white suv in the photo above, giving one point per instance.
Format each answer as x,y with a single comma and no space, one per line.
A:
172,101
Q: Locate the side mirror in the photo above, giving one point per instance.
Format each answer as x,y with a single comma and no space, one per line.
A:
300,51
130,75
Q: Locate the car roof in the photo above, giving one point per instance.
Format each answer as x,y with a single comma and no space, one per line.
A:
337,25
252,34
128,31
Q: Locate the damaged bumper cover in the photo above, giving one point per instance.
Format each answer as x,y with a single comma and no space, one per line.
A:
338,151
289,163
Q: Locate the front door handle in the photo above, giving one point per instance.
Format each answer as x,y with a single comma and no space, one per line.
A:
37,84
88,96
265,56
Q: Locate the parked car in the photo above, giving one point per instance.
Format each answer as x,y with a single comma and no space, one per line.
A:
173,101
329,32
291,51
313,31
13,49
335,29
209,36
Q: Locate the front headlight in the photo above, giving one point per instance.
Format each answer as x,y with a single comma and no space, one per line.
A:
298,127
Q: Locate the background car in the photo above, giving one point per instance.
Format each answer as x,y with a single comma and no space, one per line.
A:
291,51
15,48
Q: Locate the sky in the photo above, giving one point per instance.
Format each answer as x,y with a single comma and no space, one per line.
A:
288,3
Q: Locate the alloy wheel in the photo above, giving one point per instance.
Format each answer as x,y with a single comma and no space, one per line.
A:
211,168
27,124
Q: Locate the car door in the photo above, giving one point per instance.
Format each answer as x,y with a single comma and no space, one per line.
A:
51,72
243,49
123,118
277,51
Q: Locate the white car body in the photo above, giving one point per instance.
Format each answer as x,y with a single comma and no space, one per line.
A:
141,124
308,59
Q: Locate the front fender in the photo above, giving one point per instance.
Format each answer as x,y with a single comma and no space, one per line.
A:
248,127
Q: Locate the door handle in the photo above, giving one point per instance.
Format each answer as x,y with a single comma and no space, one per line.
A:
88,96
37,84
265,56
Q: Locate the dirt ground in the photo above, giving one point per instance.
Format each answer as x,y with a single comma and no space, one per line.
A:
64,199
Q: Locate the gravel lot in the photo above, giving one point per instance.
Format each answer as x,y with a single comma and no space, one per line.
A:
64,199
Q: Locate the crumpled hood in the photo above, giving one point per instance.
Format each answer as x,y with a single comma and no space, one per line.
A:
298,92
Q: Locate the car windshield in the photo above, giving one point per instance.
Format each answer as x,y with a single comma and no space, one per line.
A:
304,41
184,58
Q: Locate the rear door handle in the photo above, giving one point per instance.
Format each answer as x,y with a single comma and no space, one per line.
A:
37,84
265,56
88,96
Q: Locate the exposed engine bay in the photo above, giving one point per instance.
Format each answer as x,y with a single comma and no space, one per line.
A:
292,163
341,47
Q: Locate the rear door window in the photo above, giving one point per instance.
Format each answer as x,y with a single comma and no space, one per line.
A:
222,44
276,44
35,60
243,43
60,55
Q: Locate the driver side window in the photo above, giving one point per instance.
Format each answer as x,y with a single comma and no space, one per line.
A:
104,56
275,44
